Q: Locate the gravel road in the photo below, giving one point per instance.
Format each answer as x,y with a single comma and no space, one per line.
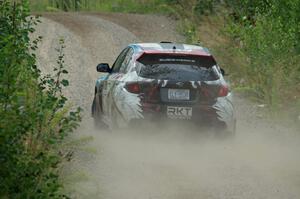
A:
262,162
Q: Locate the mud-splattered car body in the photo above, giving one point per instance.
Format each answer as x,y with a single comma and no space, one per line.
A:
158,81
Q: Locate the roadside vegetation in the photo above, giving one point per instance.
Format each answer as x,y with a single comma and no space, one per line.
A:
34,114
258,43
132,6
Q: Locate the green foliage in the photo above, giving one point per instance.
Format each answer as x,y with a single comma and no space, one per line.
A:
132,6
189,30
33,116
249,7
204,7
266,34
67,5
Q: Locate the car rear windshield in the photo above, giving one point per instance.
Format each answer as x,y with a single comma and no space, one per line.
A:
177,67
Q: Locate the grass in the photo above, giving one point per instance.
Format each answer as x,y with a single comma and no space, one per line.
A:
132,6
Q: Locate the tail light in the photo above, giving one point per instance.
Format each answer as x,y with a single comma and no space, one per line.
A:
223,91
153,94
133,87
205,91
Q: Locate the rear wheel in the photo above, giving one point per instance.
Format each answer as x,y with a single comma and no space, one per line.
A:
117,122
97,113
226,132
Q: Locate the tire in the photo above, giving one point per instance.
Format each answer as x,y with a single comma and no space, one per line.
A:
228,132
97,114
114,120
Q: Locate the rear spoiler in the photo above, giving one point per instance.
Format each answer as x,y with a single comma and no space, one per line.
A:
166,57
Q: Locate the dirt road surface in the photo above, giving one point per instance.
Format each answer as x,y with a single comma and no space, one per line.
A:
262,162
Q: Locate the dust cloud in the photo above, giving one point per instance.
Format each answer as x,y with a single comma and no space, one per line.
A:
179,162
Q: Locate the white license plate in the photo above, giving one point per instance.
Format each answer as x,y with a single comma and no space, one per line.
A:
178,94
175,112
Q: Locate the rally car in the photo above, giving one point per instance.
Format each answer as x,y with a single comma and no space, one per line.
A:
157,82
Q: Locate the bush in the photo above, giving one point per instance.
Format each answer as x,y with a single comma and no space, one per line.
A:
267,36
204,7
33,116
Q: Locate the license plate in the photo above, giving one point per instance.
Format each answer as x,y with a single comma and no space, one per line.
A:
174,112
178,94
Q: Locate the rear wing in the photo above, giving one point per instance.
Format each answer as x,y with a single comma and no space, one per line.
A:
191,58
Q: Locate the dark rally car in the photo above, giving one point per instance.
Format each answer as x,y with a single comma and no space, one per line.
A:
163,81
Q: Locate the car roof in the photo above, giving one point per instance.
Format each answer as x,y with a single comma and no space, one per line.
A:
170,48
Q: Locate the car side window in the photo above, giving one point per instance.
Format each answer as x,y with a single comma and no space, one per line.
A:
126,61
118,63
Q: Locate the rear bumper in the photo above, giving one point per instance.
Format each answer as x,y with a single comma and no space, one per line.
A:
203,116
